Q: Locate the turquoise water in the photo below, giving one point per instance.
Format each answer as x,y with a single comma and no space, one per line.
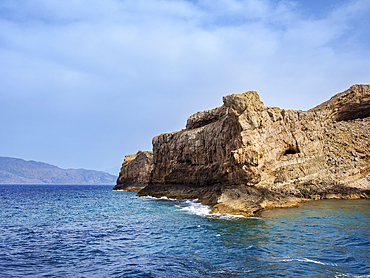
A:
91,231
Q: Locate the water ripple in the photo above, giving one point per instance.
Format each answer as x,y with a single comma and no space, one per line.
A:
91,231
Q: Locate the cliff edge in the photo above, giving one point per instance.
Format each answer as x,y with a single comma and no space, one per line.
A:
243,157
135,171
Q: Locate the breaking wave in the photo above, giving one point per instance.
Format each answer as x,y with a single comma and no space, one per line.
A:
305,260
196,208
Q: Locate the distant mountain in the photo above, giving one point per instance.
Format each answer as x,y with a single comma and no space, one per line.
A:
16,171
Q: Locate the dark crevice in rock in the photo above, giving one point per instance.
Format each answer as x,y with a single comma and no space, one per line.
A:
359,113
291,150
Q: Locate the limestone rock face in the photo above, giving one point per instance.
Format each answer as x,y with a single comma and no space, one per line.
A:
351,104
243,157
135,171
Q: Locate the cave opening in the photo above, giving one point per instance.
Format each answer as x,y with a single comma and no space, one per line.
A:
291,150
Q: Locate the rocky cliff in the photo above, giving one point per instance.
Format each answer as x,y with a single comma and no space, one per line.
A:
243,157
135,171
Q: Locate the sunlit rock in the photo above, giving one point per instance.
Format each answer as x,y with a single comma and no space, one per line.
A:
243,157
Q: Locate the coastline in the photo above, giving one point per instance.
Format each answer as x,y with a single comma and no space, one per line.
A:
243,157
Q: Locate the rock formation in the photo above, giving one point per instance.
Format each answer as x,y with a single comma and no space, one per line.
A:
243,157
135,171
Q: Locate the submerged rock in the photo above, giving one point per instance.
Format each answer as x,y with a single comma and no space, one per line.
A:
135,171
243,157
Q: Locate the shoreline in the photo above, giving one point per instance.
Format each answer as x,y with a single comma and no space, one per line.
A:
243,157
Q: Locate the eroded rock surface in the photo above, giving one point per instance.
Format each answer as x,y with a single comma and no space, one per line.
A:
243,157
135,171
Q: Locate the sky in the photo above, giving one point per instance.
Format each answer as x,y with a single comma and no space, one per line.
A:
85,82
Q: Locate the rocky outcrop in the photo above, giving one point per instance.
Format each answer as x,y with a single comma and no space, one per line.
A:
243,157
135,171
348,105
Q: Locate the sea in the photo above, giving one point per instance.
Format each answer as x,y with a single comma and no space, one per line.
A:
92,231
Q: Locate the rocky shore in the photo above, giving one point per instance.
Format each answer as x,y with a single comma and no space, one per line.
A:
243,157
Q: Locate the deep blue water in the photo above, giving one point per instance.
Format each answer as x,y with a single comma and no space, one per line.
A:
91,231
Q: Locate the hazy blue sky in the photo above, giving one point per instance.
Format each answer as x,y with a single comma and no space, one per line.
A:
85,82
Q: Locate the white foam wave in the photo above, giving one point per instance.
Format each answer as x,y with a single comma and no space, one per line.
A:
166,198
160,198
196,208
305,260
193,207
